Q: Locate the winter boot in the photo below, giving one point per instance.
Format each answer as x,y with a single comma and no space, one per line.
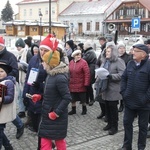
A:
73,111
8,147
84,110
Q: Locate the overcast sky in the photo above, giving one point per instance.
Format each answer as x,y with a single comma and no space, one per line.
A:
13,4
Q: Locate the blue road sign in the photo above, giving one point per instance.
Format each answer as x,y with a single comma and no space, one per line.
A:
136,23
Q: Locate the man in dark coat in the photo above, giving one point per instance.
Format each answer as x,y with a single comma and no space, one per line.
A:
135,90
126,57
11,60
90,56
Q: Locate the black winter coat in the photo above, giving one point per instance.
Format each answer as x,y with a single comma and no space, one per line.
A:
56,98
135,85
11,60
90,56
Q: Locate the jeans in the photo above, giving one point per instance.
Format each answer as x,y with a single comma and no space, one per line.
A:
20,99
143,118
3,139
17,122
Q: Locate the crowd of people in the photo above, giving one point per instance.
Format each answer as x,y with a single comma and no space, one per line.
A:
44,78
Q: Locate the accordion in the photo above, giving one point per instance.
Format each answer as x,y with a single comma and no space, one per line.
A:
3,92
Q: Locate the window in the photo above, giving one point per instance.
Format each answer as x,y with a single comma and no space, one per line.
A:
30,12
20,28
53,10
97,26
88,27
24,12
46,11
34,29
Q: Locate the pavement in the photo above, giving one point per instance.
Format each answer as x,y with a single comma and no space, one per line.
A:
85,132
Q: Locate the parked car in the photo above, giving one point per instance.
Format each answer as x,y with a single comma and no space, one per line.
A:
137,37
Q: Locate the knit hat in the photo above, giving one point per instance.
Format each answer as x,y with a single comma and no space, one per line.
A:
50,42
141,47
2,42
5,67
71,44
75,53
20,43
121,45
28,42
81,45
52,58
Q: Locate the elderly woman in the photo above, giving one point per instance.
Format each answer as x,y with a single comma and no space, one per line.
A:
111,95
79,80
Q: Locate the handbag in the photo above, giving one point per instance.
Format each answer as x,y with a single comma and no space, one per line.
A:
3,90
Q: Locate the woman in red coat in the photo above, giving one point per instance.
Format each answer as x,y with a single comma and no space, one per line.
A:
79,80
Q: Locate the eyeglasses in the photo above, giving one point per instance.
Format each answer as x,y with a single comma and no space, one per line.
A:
137,51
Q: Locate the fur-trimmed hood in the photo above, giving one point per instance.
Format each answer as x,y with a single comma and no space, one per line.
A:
61,68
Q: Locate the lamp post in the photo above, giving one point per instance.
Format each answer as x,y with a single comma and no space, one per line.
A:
49,16
40,15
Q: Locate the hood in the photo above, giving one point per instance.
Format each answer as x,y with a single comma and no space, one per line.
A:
13,79
61,68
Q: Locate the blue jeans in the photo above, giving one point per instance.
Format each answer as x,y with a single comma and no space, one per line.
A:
20,99
3,139
18,122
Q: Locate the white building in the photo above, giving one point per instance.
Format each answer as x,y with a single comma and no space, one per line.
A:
86,17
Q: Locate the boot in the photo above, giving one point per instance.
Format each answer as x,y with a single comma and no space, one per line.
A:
121,106
73,111
91,102
113,131
102,106
107,127
84,110
19,132
28,122
8,147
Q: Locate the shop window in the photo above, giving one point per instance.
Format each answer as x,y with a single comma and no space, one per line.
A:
34,29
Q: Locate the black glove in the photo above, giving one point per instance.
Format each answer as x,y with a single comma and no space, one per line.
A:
26,102
109,76
36,84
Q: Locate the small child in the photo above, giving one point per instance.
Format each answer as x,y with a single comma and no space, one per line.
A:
7,103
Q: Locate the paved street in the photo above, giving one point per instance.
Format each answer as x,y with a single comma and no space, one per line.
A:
84,133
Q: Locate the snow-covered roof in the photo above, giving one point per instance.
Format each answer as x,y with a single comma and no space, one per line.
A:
90,7
36,23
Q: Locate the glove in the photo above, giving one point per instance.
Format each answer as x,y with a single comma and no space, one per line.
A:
52,115
109,76
26,102
36,84
36,97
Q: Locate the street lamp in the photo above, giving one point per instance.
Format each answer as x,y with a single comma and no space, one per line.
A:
49,16
40,15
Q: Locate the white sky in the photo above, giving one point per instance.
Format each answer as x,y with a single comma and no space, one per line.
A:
13,5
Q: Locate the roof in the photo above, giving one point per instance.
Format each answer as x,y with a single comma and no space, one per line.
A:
145,3
34,1
90,7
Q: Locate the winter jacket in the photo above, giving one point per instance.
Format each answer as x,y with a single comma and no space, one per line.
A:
79,76
116,69
126,57
135,87
90,57
8,110
56,98
35,62
11,60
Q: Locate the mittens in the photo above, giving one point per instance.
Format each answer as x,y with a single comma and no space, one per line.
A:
36,97
52,115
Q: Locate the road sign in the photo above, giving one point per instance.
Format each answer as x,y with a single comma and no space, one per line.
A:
135,24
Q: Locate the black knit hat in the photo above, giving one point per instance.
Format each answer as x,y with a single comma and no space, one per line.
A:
5,67
28,42
20,43
81,45
71,44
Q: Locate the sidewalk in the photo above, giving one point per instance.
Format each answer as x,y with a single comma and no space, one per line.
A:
84,133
